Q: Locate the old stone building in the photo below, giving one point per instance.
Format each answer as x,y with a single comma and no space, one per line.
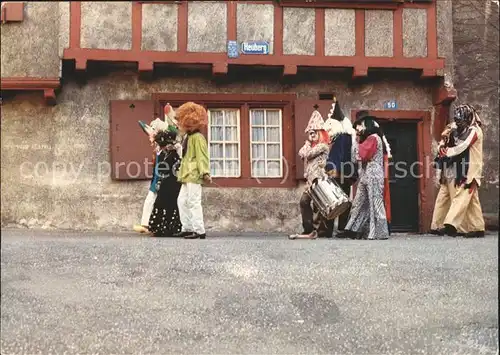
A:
76,77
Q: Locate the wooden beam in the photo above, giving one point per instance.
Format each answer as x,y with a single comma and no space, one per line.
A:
397,32
290,70
278,31
320,33
432,50
360,69
136,26
47,85
182,27
75,24
219,69
265,60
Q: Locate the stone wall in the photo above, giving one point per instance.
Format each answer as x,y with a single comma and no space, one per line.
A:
76,131
33,47
475,41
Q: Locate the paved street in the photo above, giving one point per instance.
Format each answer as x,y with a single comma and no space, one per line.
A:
123,294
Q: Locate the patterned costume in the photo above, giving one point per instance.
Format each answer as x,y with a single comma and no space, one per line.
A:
164,220
314,152
368,216
155,126
339,165
467,153
194,170
445,174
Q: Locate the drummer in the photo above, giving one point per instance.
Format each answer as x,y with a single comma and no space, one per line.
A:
314,154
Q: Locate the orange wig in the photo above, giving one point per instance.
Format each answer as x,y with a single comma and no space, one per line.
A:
191,117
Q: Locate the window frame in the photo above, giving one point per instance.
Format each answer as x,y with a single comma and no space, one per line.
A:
223,142
246,102
265,126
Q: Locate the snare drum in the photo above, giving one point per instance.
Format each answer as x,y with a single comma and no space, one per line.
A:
329,198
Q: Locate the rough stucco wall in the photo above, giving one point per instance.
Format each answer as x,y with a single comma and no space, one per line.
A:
340,33
100,27
475,41
207,26
444,16
415,32
84,198
298,31
23,52
63,27
378,33
255,22
159,27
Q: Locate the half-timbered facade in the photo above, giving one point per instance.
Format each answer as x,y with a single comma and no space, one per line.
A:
76,78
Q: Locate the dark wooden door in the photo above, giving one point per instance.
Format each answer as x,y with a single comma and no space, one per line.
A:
404,175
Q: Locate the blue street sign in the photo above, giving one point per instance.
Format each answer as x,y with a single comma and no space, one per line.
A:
232,49
391,105
255,47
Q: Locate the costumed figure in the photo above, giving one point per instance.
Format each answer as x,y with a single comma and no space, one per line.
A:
467,153
368,213
314,153
194,169
164,220
151,129
445,176
339,165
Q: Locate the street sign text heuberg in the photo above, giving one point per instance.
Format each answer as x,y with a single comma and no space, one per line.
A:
255,47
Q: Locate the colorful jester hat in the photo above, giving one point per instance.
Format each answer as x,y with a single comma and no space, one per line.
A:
170,119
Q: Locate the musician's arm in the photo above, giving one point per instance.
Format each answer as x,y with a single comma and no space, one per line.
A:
305,148
317,150
460,148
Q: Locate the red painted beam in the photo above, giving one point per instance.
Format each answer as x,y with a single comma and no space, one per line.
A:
278,31
75,24
266,60
136,26
397,33
182,28
47,85
361,69
320,33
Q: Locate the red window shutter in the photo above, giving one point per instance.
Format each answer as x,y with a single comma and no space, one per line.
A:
131,153
303,111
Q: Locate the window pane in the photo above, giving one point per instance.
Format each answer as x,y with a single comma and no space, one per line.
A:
231,118
273,134
216,118
258,151
231,151
231,134
273,151
216,134
232,168
273,168
216,167
258,134
259,168
216,150
257,117
273,118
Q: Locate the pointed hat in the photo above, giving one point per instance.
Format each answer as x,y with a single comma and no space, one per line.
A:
316,122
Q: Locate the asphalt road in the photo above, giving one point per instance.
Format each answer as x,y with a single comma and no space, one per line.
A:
80,293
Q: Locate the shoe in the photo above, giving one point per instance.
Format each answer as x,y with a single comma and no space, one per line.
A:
140,229
181,234
477,234
195,236
439,231
450,230
312,235
342,235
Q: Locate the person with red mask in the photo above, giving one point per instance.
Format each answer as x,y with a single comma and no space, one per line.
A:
314,153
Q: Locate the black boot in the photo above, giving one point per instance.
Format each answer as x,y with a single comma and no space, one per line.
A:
182,234
450,230
477,234
195,236
439,232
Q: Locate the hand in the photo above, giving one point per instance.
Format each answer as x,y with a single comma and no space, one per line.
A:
472,187
207,178
442,151
170,147
332,173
